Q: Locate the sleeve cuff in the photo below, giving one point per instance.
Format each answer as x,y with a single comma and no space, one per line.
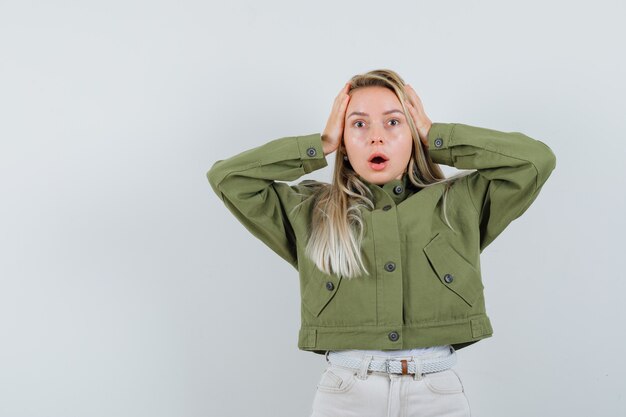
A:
439,143
312,152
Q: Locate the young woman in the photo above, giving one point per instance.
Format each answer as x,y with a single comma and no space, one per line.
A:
388,253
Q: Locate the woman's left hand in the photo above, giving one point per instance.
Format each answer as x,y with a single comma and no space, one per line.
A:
422,122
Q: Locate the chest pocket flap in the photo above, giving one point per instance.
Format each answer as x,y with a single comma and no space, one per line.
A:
453,270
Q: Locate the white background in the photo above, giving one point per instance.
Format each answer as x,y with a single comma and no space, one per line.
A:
128,289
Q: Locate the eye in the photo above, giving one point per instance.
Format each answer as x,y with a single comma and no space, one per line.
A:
358,121
395,120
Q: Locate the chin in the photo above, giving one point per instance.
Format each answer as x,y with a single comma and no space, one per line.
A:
381,179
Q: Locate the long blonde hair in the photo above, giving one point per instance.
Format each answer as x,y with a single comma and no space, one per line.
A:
336,229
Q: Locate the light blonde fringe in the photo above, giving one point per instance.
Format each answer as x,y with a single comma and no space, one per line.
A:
337,229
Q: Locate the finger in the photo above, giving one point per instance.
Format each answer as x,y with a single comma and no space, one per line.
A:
414,114
342,105
416,104
342,102
413,95
412,108
343,92
338,102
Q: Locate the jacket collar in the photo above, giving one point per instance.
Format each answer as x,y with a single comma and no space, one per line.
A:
391,193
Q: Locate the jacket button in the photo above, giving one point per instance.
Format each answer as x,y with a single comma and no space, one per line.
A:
398,189
330,286
390,266
438,142
393,336
311,151
448,278
387,207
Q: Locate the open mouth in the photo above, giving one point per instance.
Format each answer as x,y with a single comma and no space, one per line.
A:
378,161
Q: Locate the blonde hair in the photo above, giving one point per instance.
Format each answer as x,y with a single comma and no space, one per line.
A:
336,229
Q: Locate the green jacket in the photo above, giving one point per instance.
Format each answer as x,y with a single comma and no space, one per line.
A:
425,286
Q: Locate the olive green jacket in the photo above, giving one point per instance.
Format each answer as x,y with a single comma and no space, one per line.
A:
425,286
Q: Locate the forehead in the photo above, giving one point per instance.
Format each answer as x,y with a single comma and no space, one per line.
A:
373,100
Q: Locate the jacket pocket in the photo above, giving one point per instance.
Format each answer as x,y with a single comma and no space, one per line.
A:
454,272
319,292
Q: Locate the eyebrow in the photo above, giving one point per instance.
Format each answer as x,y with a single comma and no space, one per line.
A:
360,113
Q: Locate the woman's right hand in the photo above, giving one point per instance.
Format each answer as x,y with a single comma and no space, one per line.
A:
331,137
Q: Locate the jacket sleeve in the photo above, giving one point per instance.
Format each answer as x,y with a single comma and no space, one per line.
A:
249,185
511,170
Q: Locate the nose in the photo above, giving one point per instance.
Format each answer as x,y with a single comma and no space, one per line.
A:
377,135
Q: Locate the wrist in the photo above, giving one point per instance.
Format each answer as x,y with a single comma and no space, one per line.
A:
427,128
327,147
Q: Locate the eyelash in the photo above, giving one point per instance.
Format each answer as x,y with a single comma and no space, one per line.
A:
360,121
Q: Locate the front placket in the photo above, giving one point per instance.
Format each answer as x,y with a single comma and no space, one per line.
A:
387,250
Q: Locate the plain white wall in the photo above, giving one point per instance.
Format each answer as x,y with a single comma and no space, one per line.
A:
128,289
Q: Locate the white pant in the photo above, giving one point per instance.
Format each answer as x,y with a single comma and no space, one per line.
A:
345,392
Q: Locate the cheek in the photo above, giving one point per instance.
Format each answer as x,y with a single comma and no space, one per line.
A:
347,136
352,140
407,148
354,135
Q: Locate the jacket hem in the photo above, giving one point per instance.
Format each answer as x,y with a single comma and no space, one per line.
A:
459,334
